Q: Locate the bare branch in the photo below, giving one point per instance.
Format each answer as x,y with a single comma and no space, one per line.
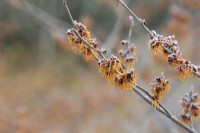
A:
138,89
70,15
159,109
142,21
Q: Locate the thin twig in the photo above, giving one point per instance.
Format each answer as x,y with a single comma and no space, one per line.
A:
171,117
95,58
68,11
131,29
142,21
166,49
149,95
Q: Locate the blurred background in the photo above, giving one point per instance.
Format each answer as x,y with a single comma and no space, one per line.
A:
46,88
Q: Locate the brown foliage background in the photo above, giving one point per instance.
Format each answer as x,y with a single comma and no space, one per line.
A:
45,87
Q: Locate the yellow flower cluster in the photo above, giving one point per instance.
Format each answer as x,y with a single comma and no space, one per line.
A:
158,42
126,80
159,88
113,70
168,47
184,67
156,46
78,45
190,105
185,70
110,68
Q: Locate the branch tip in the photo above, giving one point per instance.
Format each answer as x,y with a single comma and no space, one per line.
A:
68,11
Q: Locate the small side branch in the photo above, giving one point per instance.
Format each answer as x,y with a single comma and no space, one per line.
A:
147,93
131,29
142,21
68,11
